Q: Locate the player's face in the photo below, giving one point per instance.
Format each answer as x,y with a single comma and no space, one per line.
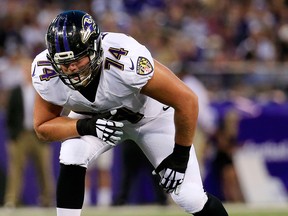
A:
75,66
77,71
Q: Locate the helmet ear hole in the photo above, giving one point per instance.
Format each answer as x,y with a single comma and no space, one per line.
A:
71,36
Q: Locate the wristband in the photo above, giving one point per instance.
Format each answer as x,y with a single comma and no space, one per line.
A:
83,128
181,151
180,157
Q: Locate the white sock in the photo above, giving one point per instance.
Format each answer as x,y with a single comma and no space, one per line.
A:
104,197
68,212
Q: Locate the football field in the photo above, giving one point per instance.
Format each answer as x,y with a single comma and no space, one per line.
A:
149,210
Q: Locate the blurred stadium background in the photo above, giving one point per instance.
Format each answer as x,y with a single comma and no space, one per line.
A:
238,50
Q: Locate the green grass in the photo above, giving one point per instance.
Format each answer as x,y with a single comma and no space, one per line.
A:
260,210
172,210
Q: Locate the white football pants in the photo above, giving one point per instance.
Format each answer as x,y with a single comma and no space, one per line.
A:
155,136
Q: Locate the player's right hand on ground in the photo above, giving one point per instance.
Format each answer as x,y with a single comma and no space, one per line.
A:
106,130
173,169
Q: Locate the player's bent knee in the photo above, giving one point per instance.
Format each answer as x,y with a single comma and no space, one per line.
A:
82,151
213,206
74,151
191,198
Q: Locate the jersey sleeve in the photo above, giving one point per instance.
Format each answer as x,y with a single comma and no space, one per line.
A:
132,65
46,82
143,68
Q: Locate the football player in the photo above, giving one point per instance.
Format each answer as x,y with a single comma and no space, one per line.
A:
115,90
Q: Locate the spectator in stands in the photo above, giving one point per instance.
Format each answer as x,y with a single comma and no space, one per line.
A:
24,145
221,163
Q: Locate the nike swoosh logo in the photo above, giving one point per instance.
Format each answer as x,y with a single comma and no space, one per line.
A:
165,108
103,35
132,67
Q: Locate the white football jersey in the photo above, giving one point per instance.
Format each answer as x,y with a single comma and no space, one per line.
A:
127,67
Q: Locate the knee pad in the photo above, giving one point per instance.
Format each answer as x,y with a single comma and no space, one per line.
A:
70,186
191,198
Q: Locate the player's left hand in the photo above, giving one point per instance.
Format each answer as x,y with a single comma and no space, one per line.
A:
173,167
101,126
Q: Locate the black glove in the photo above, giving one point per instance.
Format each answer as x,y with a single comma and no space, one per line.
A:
174,167
105,129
